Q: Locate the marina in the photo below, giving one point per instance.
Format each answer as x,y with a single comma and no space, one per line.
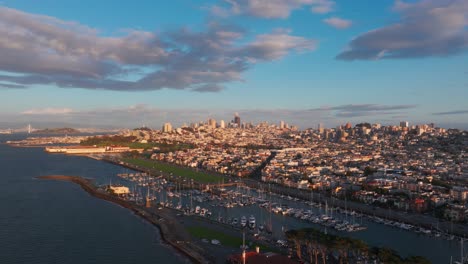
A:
268,215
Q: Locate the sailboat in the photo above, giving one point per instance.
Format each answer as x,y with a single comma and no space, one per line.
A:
269,226
179,205
148,198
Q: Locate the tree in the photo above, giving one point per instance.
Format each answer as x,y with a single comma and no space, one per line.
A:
318,243
369,171
417,260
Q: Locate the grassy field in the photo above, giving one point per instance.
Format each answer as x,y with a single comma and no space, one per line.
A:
226,240
130,142
200,177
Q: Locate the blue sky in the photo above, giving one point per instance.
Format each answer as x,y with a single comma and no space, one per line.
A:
125,63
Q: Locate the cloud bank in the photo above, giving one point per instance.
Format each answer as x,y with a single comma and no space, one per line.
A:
456,112
362,110
43,50
137,115
426,28
270,8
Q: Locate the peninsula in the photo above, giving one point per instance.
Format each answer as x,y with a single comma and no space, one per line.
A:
171,230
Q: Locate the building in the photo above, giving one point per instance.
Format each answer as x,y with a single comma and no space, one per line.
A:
212,123
167,127
76,149
119,189
404,124
222,124
459,193
320,128
257,257
89,149
237,120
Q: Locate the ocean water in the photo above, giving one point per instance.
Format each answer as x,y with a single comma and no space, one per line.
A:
56,222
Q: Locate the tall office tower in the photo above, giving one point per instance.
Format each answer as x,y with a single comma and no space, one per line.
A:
167,127
320,128
212,123
404,124
281,124
222,124
237,120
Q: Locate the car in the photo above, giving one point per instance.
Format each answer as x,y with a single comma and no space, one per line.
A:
282,243
215,242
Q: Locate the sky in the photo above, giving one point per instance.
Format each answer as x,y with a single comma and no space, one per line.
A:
132,63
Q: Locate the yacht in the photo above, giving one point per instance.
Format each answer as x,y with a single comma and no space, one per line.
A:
251,222
243,221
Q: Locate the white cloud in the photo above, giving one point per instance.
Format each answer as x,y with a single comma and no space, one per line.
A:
338,23
48,111
42,50
323,6
270,8
426,28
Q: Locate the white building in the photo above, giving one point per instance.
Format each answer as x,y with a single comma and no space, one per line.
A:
167,127
119,189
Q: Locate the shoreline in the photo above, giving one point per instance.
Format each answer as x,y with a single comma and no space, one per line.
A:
171,232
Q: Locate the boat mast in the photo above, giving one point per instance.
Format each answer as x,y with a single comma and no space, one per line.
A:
461,251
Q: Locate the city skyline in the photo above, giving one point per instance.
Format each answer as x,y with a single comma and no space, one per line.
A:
302,61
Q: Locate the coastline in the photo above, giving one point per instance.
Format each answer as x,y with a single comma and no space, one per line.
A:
171,231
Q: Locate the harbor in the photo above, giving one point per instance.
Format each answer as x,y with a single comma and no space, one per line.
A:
273,213
224,205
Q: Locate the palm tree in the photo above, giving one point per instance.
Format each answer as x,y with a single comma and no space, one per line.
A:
360,248
310,249
323,252
296,236
341,246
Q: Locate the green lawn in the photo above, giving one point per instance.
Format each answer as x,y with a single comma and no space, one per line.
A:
175,170
226,240
123,141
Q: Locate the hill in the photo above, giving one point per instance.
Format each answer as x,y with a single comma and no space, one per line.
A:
64,130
